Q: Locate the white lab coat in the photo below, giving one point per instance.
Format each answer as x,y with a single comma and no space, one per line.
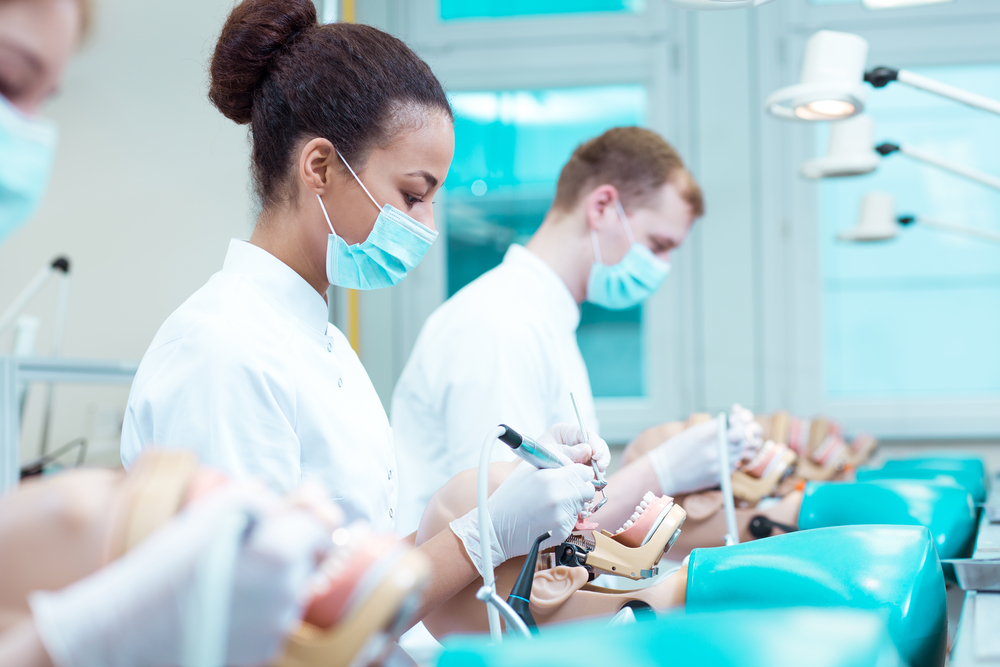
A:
501,350
249,373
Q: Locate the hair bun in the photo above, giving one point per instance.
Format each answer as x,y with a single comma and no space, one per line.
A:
253,35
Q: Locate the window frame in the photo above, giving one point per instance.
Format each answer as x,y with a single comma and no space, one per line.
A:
519,54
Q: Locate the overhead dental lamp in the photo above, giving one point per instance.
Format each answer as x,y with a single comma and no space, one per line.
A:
850,153
878,222
710,5
831,84
898,4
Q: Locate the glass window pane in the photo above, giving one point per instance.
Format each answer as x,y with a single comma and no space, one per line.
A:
918,315
509,149
492,9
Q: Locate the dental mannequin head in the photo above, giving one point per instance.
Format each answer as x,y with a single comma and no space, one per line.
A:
57,530
309,91
626,170
557,594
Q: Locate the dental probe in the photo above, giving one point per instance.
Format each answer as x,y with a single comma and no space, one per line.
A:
599,481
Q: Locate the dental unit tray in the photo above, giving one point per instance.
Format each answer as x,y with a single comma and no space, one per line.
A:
975,574
632,552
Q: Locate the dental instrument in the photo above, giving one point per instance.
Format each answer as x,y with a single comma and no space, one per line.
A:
520,594
600,482
531,450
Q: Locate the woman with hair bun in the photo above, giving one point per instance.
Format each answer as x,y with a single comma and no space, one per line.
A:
352,136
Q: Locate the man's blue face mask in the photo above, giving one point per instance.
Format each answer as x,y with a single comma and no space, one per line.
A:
629,282
395,245
27,152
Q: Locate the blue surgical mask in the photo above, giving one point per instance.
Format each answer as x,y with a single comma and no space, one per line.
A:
27,151
395,245
629,282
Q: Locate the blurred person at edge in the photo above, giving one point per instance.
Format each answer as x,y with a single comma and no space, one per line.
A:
37,40
85,623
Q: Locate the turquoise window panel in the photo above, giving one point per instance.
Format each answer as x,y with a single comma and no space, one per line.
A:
509,149
917,316
451,10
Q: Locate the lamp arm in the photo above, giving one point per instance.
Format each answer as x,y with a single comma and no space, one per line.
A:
10,315
973,174
944,90
960,229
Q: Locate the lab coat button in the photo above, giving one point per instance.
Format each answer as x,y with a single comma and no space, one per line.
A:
390,474
390,512
340,382
329,347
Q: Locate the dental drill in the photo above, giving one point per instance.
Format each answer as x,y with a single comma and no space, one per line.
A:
537,455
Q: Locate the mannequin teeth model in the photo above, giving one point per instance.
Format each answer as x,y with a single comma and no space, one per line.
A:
57,530
636,548
563,592
648,515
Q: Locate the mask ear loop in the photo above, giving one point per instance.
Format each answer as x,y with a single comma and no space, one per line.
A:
597,247
624,219
358,180
323,208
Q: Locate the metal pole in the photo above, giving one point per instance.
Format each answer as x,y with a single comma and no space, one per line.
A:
726,482
58,330
10,425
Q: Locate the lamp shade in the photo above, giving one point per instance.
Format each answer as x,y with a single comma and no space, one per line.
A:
710,5
831,86
850,151
877,221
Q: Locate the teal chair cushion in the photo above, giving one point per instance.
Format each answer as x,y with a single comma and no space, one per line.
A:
766,638
891,569
947,510
967,471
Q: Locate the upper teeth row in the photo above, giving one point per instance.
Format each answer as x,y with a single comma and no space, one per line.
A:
639,509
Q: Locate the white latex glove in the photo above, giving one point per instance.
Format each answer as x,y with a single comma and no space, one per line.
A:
689,461
132,612
569,440
527,504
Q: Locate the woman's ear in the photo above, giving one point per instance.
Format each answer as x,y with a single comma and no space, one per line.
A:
550,589
316,162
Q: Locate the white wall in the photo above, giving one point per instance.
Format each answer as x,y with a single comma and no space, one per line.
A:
150,184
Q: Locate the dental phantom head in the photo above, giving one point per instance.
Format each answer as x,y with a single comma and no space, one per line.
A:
762,474
57,530
563,592
633,550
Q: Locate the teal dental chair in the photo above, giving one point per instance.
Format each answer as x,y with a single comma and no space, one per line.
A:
767,638
891,569
947,510
967,472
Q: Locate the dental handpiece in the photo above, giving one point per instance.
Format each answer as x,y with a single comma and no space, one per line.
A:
531,450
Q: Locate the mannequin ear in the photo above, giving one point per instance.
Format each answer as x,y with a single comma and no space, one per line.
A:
551,588
700,506
599,207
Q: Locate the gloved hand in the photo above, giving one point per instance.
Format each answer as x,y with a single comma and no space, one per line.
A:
689,461
528,503
133,612
570,441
